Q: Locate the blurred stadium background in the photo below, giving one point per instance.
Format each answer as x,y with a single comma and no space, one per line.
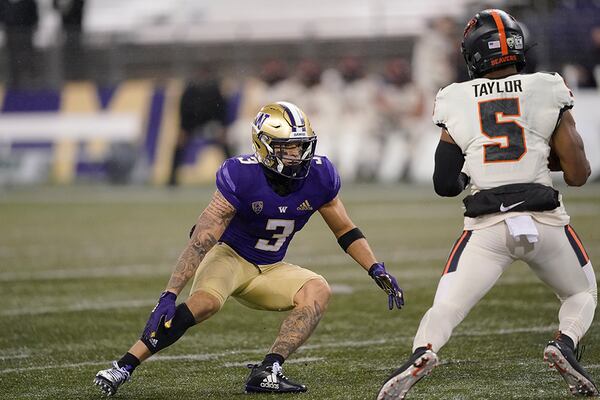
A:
123,91
100,99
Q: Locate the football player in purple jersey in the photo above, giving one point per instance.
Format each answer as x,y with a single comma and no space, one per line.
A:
237,246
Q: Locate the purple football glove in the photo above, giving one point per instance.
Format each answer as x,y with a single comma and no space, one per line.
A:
389,285
161,315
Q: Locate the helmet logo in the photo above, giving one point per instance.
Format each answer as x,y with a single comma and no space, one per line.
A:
515,42
470,25
260,120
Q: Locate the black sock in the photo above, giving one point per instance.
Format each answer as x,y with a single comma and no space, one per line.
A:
420,350
129,361
566,340
273,357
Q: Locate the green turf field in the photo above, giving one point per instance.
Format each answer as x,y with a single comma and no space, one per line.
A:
81,268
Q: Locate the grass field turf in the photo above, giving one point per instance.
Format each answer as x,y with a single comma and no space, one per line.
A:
81,267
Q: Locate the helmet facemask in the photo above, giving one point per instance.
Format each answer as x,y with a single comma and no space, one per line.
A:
288,157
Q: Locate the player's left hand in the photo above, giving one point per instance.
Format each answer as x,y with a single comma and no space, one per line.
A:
389,285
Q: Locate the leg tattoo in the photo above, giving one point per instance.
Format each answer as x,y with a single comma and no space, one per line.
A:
296,328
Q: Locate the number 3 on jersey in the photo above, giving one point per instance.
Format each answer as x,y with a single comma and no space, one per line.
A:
515,147
272,225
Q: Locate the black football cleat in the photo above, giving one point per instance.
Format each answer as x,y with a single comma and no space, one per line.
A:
270,379
420,364
562,358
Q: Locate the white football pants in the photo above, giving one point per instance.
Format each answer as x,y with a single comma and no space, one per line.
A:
480,257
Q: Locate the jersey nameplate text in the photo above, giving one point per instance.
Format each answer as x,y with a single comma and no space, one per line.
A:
482,89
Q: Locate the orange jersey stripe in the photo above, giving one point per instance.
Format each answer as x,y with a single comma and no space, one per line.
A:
572,232
456,246
501,32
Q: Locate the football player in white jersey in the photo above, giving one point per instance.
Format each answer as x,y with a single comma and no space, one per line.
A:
504,132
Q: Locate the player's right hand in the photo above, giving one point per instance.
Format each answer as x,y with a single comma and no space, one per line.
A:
161,315
388,284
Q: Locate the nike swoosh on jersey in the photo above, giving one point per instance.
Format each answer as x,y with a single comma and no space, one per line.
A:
505,209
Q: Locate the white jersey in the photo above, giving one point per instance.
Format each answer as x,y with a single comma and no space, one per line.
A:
503,127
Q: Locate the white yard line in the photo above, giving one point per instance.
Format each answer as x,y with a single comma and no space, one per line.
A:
44,367
338,288
199,357
12,357
82,273
82,306
403,255
297,255
111,305
316,346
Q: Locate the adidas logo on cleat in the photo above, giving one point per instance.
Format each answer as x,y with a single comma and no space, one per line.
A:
269,385
270,382
269,378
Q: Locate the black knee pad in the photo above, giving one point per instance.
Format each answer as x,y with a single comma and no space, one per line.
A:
165,337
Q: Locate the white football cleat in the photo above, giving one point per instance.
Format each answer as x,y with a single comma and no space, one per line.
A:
404,378
110,379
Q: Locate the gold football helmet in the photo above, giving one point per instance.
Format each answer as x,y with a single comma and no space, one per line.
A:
283,139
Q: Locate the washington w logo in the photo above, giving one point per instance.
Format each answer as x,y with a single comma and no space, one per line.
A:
282,209
260,120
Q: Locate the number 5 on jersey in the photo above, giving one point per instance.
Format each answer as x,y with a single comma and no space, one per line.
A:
489,113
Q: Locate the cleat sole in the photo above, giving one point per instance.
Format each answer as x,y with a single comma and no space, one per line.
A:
398,385
253,389
105,387
578,384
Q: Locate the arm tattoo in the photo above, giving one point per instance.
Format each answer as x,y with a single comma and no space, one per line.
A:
210,226
296,328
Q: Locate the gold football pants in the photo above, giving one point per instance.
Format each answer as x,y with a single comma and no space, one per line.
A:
224,273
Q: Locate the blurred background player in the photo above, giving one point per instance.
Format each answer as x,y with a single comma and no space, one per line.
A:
318,98
400,104
271,83
202,116
238,244
357,124
20,19
500,129
71,16
107,61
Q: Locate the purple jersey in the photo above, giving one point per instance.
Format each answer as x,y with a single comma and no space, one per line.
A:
265,222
